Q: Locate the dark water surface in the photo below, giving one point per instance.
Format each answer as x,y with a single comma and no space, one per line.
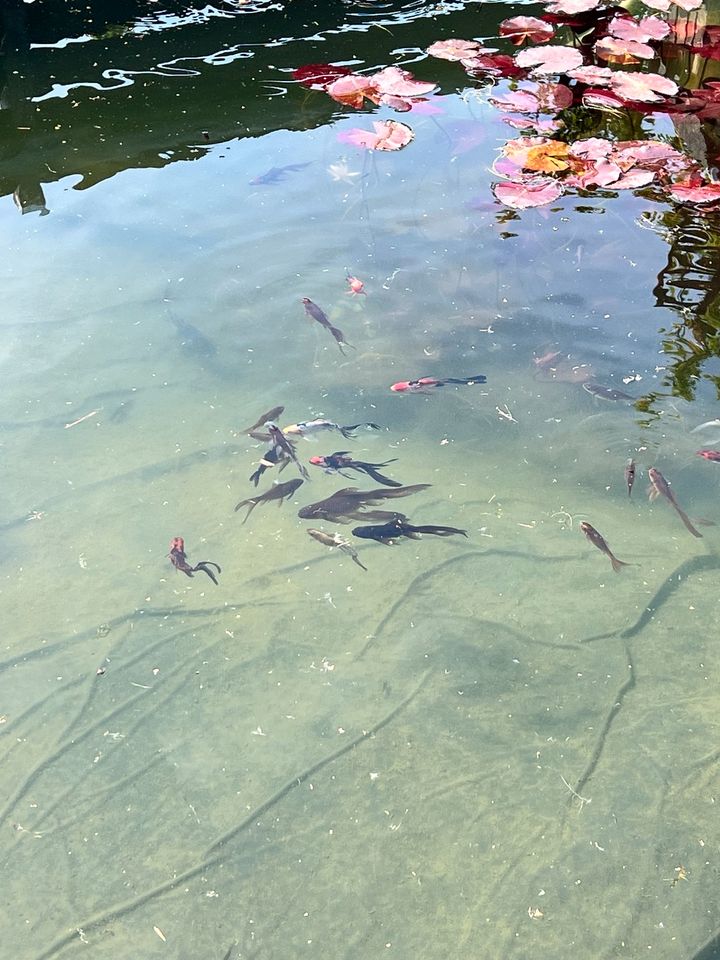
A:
309,759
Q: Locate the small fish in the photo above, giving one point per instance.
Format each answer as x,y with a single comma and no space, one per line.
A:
660,487
316,426
704,426
423,384
180,561
261,421
710,455
279,492
281,441
630,475
607,393
193,340
387,533
547,359
356,286
336,541
340,461
276,174
351,502
314,311
598,541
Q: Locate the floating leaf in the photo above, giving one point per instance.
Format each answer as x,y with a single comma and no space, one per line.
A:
552,59
536,98
319,75
388,135
613,50
394,82
665,5
351,90
593,148
687,193
597,76
539,126
519,101
548,157
648,28
642,87
533,193
634,179
454,49
573,6
493,65
519,29
711,51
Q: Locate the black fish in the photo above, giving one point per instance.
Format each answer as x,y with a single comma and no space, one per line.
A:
387,533
276,174
340,461
350,502
314,311
597,540
274,457
279,492
607,393
282,443
261,421
192,339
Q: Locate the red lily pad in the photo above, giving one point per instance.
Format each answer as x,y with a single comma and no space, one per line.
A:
388,135
520,29
548,60
493,65
520,195
319,75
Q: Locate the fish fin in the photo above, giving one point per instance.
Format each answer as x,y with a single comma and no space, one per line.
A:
617,565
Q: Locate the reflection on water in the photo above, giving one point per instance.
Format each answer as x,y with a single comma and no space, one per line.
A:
465,747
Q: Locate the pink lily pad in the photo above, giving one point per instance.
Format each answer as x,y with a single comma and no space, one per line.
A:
454,49
572,6
388,135
547,60
394,82
593,148
520,195
539,126
614,50
519,29
351,90
642,87
519,101
634,179
596,76
536,98
706,193
648,28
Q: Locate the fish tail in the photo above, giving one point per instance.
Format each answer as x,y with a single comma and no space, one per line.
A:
439,531
379,477
466,380
618,564
686,520
349,432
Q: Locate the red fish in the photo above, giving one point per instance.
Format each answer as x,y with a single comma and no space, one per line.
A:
710,455
180,561
423,384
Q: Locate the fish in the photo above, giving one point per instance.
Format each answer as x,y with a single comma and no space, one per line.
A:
261,421
340,461
387,533
630,475
660,487
709,455
180,561
607,393
316,426
704,426
356,286
336,541
279,492
314,311
423,384
281,441
597,540
193,340
547,359
350,502
274,457
276,174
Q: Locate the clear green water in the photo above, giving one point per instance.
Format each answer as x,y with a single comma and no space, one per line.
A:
311,760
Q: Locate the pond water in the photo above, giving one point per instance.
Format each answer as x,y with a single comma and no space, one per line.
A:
493,746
